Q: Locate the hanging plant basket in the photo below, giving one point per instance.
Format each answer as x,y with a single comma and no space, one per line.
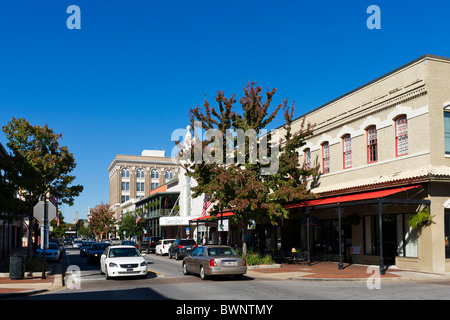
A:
421,219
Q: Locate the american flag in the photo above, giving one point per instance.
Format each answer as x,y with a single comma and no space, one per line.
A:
138,217
206,204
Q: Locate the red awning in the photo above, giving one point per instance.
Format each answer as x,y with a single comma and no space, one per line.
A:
348,198
225,214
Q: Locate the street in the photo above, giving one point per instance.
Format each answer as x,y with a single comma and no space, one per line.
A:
166,281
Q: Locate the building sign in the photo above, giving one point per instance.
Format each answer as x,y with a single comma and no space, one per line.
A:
174,221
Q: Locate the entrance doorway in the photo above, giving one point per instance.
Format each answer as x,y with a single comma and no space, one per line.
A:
389,238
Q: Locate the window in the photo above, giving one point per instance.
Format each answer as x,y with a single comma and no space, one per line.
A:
401,136
326,157
140,186
169,175
372,148
347,151
307,155
154,185
155,174
125,173
140,174
125,198
125,186
447,130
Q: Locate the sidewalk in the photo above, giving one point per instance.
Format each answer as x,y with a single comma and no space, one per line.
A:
329,271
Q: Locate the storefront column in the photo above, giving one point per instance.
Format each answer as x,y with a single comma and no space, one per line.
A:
308,251
380,221
340,265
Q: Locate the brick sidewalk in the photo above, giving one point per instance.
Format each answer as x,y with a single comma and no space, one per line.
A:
28,283
327,270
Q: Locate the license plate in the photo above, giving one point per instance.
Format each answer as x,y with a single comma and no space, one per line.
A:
128,270
229,263
188,248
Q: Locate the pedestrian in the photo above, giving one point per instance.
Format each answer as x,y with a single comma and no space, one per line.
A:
204,240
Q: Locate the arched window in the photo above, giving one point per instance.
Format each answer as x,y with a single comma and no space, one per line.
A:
347,151
125,173
140,174
401,136
155,174
447,128
307,158
326,157
169,175
372,145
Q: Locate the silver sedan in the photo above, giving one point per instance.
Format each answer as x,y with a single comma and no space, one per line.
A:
213,260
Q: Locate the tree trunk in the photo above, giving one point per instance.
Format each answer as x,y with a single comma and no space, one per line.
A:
244,243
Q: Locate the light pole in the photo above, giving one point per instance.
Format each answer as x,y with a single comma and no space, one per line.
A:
45,221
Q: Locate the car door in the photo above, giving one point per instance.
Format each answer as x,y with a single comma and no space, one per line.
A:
198,259
103,258
190,260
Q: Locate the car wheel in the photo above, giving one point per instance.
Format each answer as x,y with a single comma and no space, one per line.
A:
185,271
203,275
176,256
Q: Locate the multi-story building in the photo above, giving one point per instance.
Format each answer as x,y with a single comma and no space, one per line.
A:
131,178
384,154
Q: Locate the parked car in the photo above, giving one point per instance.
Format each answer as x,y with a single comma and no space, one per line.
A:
53,252
129,243
148,244
119,261
180,248
163,246
76,244
84,247
95,251
210,260
115,241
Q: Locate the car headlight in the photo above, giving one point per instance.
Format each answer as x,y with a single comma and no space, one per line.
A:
143,264
112,265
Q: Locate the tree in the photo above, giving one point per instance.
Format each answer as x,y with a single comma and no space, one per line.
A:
129,225
102,220
247,186
39,166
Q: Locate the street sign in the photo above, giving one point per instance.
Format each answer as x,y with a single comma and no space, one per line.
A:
38,211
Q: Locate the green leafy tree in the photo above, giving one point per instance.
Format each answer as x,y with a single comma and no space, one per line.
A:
129,225
243,187
39,166
58,231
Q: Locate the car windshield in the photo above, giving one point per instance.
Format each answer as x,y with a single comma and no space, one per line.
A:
52,246
100,246
124,252
187,242
221,251
86,244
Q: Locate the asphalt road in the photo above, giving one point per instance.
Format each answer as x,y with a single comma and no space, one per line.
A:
166,282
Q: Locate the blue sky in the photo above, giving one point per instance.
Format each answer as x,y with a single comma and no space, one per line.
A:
126,80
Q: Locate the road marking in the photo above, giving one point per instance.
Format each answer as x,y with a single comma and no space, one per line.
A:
157,273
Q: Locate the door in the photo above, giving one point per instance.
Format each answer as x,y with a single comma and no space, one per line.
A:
389,238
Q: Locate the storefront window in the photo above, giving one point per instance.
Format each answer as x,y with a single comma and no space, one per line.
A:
447,234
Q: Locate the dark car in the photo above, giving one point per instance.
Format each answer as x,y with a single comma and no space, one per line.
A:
84,247
129,243
95,252
181,248
148,244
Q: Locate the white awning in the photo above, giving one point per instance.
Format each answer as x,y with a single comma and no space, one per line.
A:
174,221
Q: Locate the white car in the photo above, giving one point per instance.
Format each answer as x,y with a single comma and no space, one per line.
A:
53,252
119,261
163,246
76,244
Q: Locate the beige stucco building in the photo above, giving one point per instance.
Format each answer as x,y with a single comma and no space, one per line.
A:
391,134
131,177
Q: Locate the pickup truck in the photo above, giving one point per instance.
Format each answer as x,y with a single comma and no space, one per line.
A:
148,244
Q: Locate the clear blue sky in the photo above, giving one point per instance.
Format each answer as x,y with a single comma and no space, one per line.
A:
127,78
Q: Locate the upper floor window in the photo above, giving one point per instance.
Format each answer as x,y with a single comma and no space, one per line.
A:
401,136
140,174
169,175
307,156
125,173
372,146
326,157
155,174
347,151
447,129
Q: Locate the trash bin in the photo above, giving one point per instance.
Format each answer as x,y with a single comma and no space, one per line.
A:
16,268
